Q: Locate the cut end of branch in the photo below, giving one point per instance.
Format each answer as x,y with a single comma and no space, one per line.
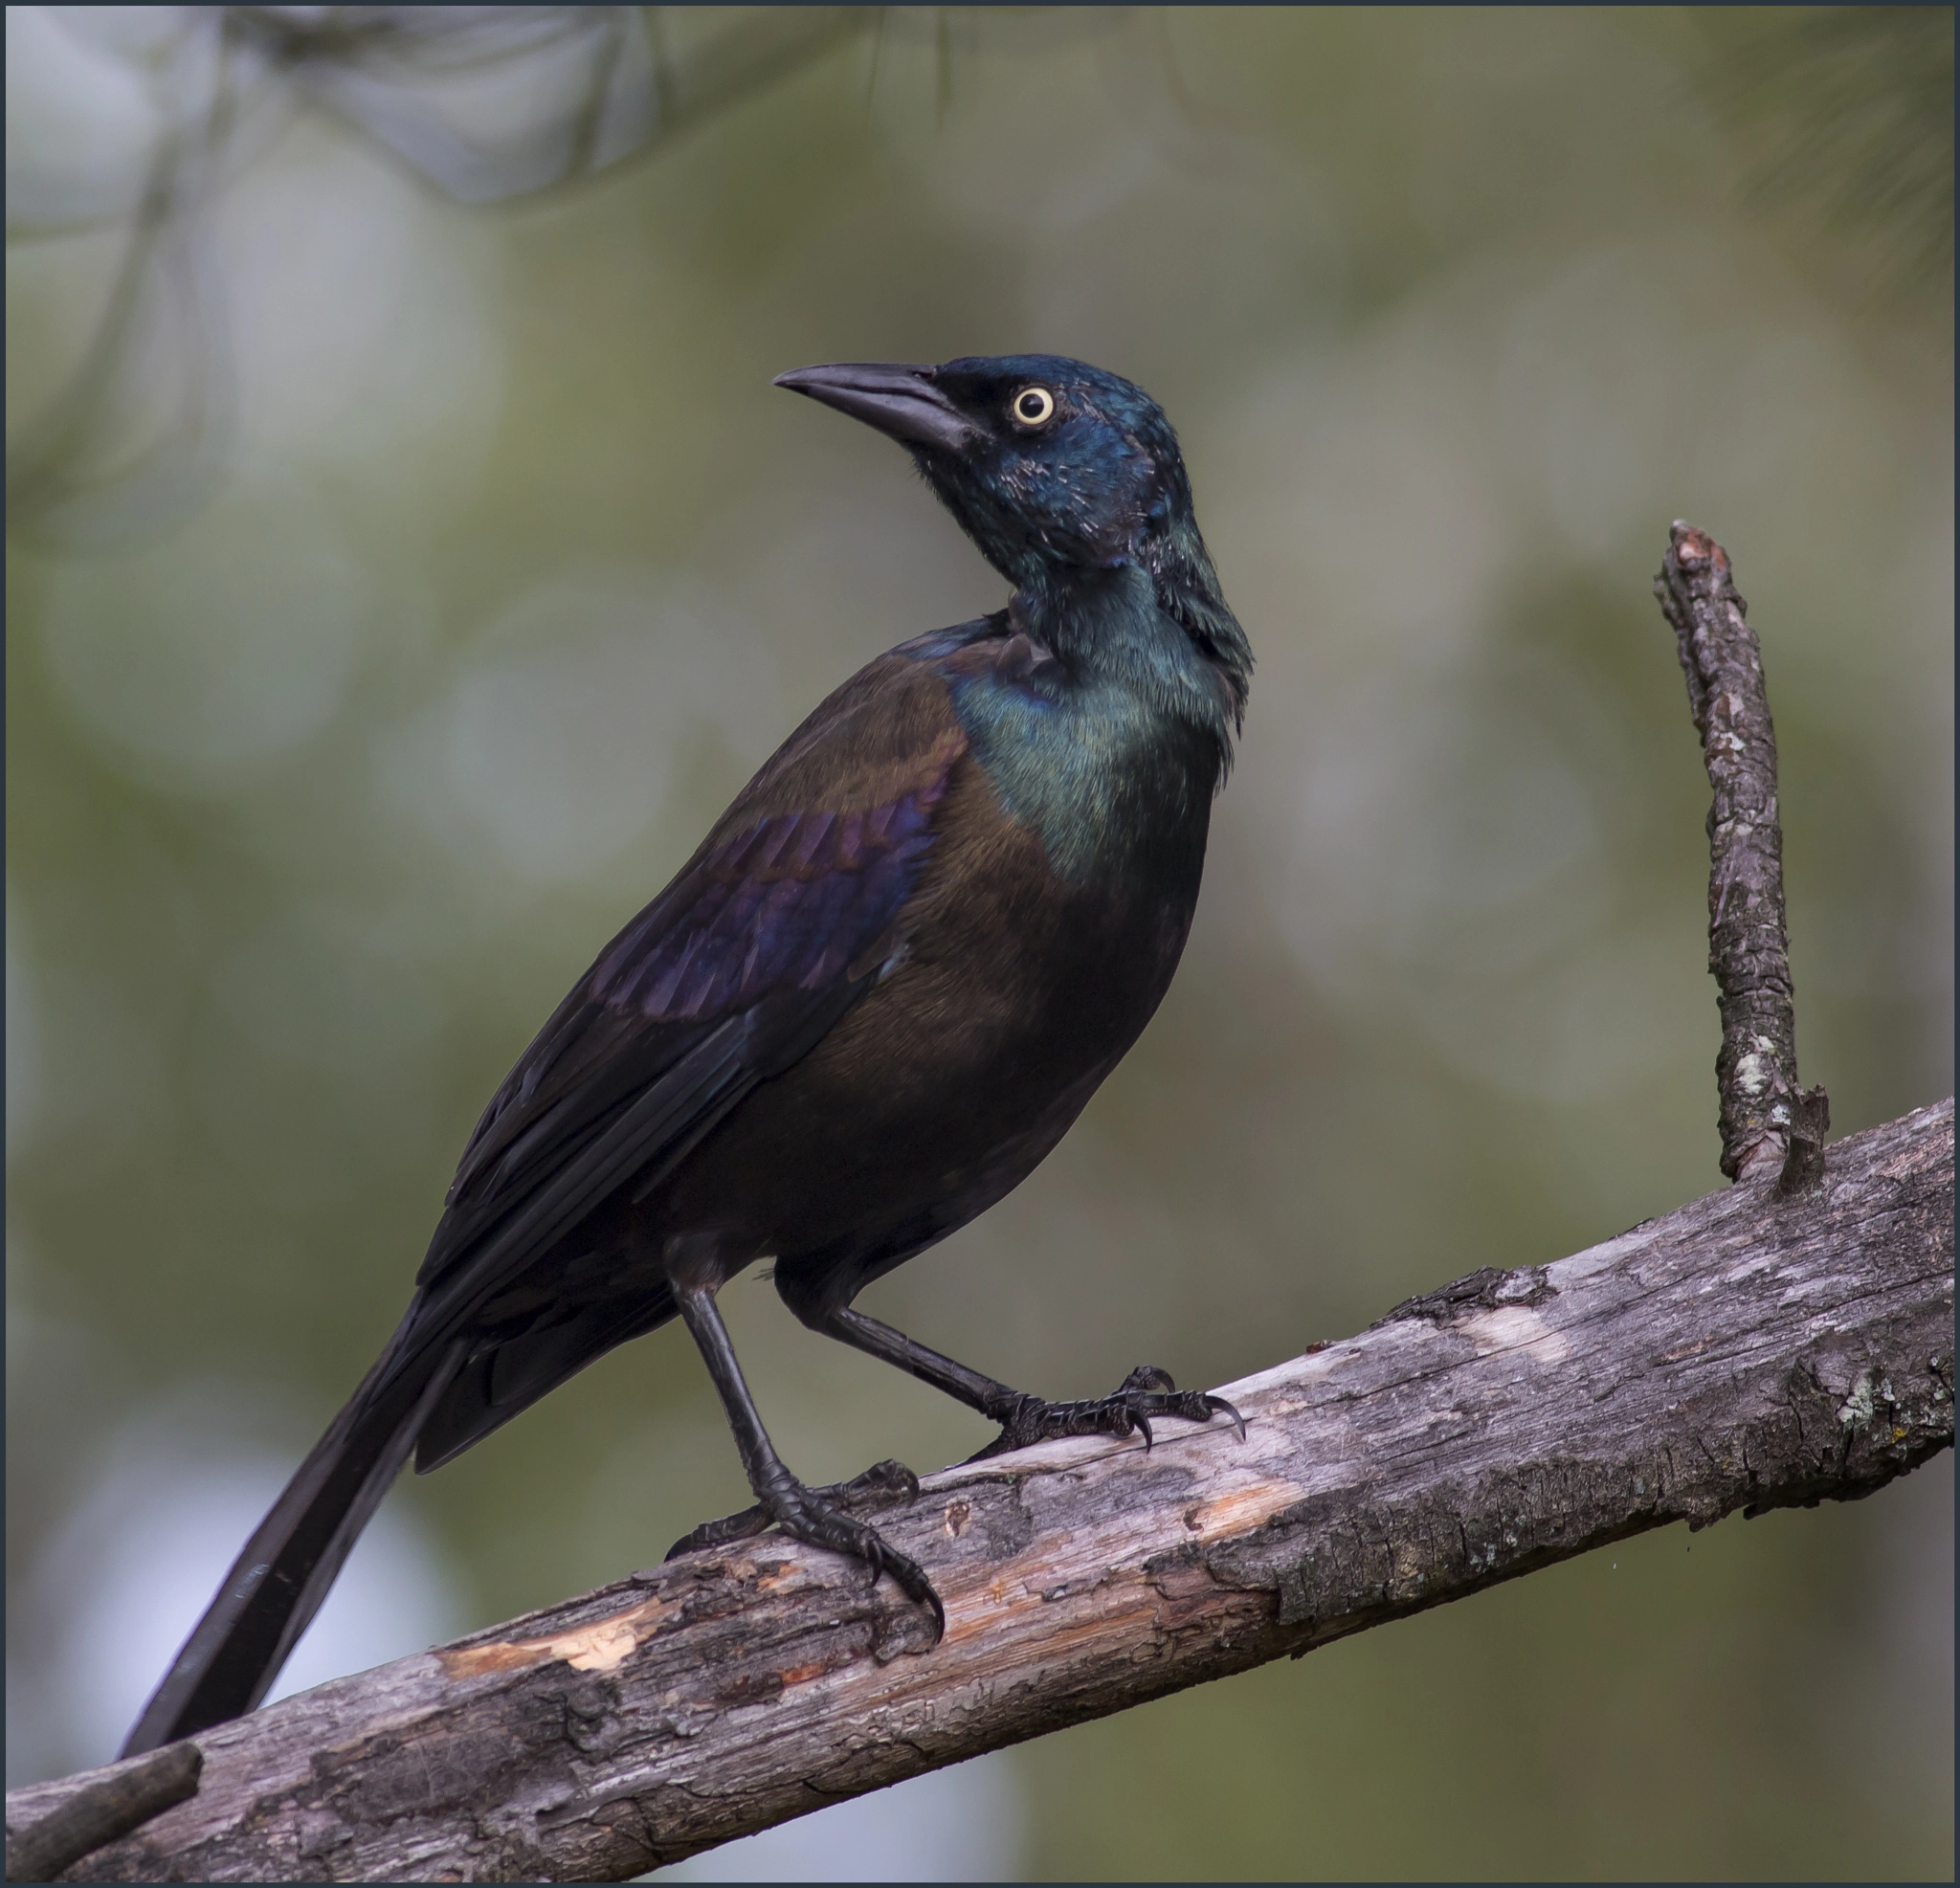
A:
1695,550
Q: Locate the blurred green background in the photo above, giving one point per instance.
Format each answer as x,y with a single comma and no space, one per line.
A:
439,570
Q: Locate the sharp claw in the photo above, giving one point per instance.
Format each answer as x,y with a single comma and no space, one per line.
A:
911,1579
1143,1423
1219,1406
932,1603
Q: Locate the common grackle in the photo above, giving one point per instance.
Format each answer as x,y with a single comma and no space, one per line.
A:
876,996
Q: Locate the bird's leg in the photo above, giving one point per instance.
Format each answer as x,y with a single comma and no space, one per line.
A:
813,1515
1145,1393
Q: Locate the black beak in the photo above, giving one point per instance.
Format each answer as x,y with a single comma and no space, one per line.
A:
900,401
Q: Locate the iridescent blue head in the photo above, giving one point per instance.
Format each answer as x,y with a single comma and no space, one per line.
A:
1065,477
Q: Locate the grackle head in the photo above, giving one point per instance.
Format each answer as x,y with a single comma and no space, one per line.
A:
1060,473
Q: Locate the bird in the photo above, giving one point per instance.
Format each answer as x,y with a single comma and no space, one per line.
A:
874,998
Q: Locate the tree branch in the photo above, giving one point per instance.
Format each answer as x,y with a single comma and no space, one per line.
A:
1769,1125
1747,1351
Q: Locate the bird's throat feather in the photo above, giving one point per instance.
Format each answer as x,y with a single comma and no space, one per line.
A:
1102,728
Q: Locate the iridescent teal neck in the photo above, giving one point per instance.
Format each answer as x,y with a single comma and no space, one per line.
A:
1112,630
1111,751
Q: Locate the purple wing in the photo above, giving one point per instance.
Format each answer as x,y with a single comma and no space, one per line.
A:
786,904
736,968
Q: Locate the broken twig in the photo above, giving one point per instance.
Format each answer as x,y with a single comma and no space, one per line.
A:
1769,1125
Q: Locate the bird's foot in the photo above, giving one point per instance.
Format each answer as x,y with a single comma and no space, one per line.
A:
825,1517
882,1485
1145,1393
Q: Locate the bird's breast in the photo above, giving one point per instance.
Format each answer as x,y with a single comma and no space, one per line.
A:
1013,991
1041,933
1117,792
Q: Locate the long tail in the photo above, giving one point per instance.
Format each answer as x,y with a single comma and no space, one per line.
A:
278,1583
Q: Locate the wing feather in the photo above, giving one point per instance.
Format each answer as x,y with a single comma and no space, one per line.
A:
736,968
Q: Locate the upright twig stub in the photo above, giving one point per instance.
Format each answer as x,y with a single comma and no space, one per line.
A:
1769,1125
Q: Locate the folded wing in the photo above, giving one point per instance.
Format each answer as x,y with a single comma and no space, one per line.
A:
779,922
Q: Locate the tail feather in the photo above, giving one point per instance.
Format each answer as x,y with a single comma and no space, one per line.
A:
279,1581
499,1382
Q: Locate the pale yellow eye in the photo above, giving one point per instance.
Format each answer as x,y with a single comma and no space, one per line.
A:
1033,405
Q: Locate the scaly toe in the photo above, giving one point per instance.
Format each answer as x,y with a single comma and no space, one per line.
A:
1148,1391
880,1486
804,1516
743,1527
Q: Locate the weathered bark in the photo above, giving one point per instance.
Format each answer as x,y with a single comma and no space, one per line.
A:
1745,1351
1768,1123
